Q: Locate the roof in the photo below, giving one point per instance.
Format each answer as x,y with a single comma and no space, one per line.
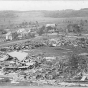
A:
22,30
18,54
8,33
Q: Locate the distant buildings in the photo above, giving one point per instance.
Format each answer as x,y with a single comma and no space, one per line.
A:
16,34
50,25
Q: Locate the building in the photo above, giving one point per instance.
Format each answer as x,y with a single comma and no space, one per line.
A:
9,36
23,32
50,25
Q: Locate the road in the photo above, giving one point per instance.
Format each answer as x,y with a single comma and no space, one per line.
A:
19,41
14,42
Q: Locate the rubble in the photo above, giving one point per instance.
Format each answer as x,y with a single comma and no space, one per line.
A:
68,84
20,66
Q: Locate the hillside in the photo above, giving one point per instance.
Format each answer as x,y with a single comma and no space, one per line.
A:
10,17
67,13
44,13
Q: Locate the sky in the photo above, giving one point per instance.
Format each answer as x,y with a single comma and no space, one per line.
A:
42,5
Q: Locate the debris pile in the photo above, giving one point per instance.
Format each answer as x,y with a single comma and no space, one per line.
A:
19,66
27,68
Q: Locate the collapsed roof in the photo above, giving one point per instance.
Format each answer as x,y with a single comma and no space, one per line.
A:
18,54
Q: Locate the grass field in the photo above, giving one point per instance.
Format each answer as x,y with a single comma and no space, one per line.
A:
8,18
57,51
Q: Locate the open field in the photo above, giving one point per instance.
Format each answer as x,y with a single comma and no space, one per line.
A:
41,20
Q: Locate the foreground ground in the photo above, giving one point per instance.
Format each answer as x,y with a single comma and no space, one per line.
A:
47,51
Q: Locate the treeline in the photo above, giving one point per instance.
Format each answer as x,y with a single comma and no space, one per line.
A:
24,24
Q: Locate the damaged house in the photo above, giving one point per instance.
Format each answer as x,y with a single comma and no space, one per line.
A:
16,60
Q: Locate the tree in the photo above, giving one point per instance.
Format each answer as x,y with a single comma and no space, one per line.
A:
75,28
76,64
73,62
41,30
49,28
86,21
82,23
37,24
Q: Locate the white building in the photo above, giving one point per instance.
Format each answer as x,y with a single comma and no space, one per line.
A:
51,25
23,32
9,36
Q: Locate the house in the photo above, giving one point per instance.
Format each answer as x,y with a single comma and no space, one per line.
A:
12,60
9,56
9,36
23,32
16,60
